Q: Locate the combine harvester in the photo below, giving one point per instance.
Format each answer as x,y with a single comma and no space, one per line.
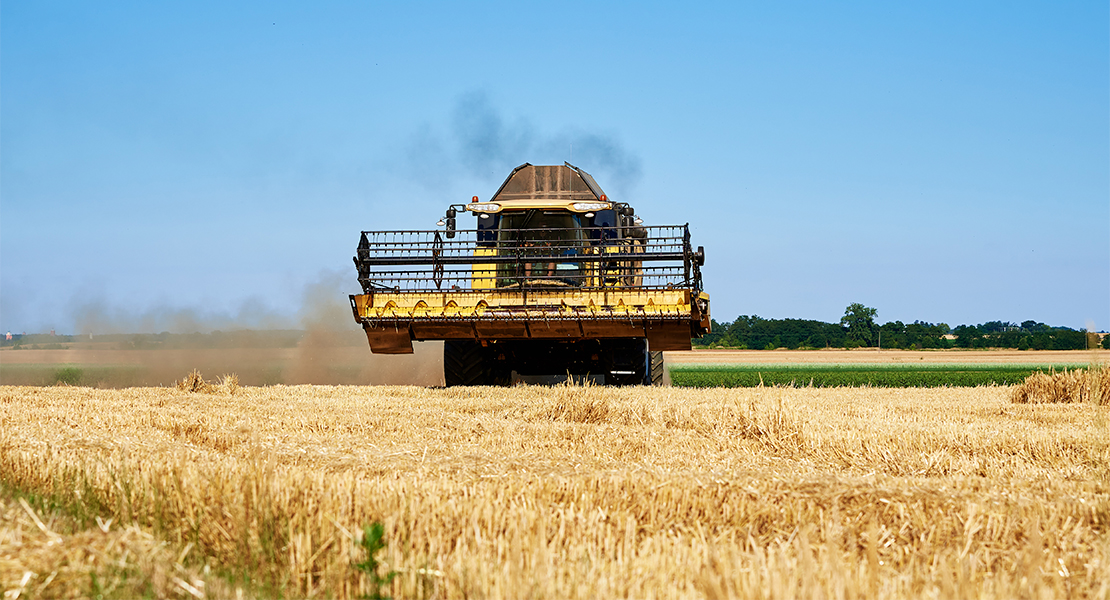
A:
556,279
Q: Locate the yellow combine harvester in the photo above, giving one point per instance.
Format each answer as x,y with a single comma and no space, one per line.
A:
555,279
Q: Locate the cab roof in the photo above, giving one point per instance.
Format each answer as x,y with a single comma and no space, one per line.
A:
547,185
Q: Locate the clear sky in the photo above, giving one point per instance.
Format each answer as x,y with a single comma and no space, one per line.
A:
945,161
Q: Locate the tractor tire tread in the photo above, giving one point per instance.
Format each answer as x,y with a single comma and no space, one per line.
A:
655,368
464,363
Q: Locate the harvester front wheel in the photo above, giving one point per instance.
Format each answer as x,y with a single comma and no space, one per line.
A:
463,363
466,362
655,369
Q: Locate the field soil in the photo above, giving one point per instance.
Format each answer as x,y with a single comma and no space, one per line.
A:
895,357
318,359
552,492
347,360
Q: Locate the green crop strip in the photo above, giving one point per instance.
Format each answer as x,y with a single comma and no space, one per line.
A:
954,375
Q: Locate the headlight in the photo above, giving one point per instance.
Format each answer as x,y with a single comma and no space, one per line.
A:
485,207
584,206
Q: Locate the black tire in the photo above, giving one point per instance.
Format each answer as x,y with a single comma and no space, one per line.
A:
655,369
464,363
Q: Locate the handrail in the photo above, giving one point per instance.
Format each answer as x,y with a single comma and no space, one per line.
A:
658,257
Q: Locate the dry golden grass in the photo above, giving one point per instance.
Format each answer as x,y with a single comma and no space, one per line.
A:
59,558
194,382
1079,385
581,492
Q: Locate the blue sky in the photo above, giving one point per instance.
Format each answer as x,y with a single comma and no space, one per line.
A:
942,162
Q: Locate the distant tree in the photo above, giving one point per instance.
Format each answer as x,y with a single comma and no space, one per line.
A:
966,335
924,335
857,328
1011,338
1034,327
1064,338
894,335
998,327
716,335
860,322
1106,342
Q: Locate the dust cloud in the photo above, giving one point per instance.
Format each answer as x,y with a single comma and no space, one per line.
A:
99,318
335,350
321,344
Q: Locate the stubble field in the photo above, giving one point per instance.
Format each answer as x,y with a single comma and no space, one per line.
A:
553,492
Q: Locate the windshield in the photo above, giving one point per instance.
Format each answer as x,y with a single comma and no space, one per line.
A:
541,220
546,241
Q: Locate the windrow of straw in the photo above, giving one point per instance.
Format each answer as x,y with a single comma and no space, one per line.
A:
1090,385
194,382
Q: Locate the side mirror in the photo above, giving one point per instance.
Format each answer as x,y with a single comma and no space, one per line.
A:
450,222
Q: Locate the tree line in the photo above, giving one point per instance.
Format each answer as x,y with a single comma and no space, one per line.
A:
858,329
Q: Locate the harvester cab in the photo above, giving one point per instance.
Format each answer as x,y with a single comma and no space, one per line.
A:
554,279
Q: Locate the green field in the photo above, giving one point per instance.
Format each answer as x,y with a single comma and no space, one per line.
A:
683,375
856,375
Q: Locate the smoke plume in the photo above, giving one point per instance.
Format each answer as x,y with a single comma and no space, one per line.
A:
479,141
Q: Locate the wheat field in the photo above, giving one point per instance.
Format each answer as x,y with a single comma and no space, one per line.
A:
553,492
